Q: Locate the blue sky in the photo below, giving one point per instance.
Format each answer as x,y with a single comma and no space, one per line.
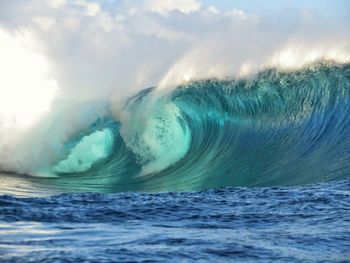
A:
333,10
329,8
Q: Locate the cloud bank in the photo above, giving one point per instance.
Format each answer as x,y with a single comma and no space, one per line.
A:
97,47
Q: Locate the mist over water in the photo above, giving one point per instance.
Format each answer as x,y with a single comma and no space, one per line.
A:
179,130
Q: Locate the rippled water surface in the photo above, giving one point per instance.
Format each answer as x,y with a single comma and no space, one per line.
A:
309,223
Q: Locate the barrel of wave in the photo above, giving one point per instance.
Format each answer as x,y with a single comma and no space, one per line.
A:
90,150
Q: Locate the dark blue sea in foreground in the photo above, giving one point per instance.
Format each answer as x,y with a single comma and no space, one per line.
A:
291,224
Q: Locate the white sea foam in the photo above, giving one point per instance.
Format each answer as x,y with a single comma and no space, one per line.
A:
79,51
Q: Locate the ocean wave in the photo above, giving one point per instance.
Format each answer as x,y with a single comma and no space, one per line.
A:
278,128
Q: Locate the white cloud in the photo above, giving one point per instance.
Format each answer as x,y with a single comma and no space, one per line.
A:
163,7
44,22
57,3
91,8
237,13
213,9
91,46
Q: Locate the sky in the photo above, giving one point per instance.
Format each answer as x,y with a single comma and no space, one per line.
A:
126,45
333,9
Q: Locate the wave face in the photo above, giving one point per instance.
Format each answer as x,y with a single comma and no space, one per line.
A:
275,129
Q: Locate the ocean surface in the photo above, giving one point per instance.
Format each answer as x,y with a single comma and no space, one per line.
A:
290,224
214,170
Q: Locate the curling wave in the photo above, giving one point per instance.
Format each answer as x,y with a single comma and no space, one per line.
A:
275,129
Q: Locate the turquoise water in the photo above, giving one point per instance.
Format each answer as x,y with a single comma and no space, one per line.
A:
254,169
275,129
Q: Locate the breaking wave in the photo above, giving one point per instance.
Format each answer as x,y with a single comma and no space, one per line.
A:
277,128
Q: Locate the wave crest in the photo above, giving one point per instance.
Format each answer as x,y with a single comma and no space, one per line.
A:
278,128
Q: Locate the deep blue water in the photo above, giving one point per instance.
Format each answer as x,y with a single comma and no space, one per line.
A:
214,170
292,224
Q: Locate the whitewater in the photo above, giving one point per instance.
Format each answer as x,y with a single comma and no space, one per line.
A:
275,129
172,131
